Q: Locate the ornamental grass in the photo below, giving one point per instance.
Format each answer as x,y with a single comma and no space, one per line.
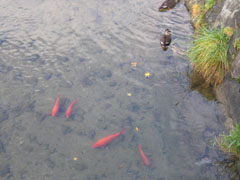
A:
230,143
209,54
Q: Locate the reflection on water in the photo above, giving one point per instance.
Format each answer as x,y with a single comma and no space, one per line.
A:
83,50
200,85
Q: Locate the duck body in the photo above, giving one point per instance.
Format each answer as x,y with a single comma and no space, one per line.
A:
167,5
166,39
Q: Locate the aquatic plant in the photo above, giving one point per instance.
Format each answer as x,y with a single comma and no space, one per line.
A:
230,143
209,54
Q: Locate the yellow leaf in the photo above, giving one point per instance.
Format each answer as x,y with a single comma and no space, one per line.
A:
147,74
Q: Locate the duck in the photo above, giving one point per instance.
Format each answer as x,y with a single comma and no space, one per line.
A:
166,39
168,4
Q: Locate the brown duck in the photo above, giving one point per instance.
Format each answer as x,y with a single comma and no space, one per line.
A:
166,39
168,4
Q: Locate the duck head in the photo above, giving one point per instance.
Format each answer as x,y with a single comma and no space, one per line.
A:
167,32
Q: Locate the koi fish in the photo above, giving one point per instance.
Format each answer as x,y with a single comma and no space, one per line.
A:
69,110
56,106
106,140
144,157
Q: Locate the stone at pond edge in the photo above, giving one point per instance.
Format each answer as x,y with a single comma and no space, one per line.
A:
228,94
236,67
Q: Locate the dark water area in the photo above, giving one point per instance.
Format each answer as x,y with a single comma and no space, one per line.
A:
83,50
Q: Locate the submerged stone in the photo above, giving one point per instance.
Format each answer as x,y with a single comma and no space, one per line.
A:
2,147
3,115
4,170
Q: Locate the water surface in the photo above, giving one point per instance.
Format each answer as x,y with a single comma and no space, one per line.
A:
83,50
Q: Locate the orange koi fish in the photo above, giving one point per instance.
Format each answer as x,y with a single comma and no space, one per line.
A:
56,106
144,157
106,140
69,110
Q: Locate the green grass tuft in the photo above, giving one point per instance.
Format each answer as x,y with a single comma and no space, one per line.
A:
209,54
209,4
230,143
238,79
237,44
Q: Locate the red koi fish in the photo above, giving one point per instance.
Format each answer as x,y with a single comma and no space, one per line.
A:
69,110
106,140
144,157
56,106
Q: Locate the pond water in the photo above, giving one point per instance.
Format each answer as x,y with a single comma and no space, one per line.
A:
83,49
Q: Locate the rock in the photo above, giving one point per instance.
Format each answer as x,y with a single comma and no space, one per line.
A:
229,14
4,170
50,163
33,81
66,129
33,58
88,81
40,116
28,148
80,166
112,84
134,107
228,93
89,133
47,75
2,147
235,72
3,115
81,59
5,69
104,74
62,58
65,84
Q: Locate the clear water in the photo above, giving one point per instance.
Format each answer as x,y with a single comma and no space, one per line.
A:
83,49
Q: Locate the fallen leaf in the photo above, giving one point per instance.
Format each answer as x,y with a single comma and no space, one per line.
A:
129,94
147,74
137,129
134,64
75,158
